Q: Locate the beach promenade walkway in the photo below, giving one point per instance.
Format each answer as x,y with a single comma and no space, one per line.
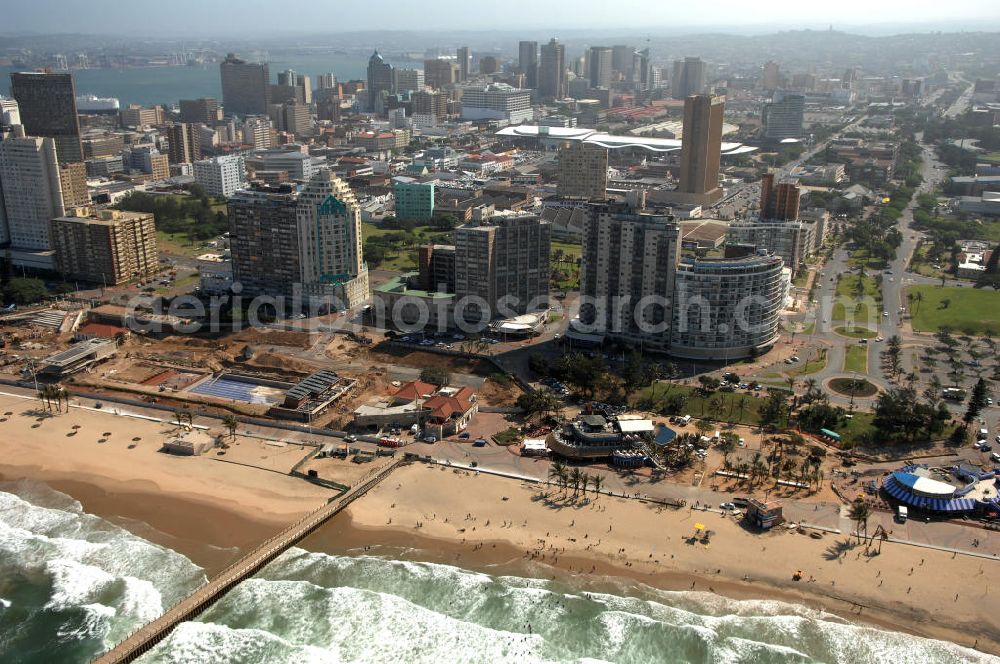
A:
143,640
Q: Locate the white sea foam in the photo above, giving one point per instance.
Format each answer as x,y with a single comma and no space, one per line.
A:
4,603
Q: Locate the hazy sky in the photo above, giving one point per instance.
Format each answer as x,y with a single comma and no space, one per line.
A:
229,17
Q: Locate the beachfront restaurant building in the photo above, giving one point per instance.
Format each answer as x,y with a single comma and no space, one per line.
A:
949,491
596,437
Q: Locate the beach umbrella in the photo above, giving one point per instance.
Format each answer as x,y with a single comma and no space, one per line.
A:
699,526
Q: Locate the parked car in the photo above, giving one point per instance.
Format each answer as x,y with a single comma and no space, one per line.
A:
479,442
727,506
464,435
430,439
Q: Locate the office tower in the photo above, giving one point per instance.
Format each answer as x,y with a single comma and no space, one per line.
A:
32,195
257,132
300,82
642,71
583,171
440,73
409,80
221,176
380,82
771,77
109,247
501,268
527,62
414,199
10,112
701,147
552,70
297,119
264,240
689,78
464,59
726,308
622,60
782,117
430,103
326,82
135,115
73,182
246,86
497,101
629,259
200,111
47,105
779,201
329,220
599,61
184,143
488,65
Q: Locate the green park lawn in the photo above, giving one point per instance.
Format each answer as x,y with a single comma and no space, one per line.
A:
855,332
856,360
968,310
812,365
740,407
846,308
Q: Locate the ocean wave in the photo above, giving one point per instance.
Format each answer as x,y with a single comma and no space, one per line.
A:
314,607
78,581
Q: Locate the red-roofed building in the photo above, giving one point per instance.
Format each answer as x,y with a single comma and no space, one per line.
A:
450,411
414,390
100,331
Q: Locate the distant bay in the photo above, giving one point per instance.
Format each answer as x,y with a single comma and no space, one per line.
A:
167,85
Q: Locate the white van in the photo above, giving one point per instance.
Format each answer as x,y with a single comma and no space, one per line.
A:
901,513
685,420
984,434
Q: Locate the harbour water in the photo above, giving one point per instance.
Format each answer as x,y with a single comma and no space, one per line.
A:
167,85
72,584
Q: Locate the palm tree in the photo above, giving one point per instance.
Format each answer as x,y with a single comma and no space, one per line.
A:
557,472
596,481
575,477
43,396
584,481
860,512
230,422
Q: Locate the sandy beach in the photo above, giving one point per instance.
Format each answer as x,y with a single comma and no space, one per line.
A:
206,508
504,526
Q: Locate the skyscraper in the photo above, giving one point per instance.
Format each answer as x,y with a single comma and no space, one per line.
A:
185,143
204,110
771,77
246,86
583,171
622,61
32,196
409,80
782,117
380,82
701,148
689,78
47,105
264,239
464,56
642,71
105,246
300,82
329,221
599,66
439,73
552,70
527,62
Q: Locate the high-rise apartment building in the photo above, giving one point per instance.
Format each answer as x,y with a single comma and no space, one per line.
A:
329,220
629,260
257,132
326,82
792,241
497,101
583,171
689,78
264,240
779,201
246,86
73,182
47,107
726,308
782,117
622,60
184,143
32,194
200,111
527,62
414,200
552,70
10,112
464,58
381,80
599,65
439,73
221,176
701,149
105,246
501,268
